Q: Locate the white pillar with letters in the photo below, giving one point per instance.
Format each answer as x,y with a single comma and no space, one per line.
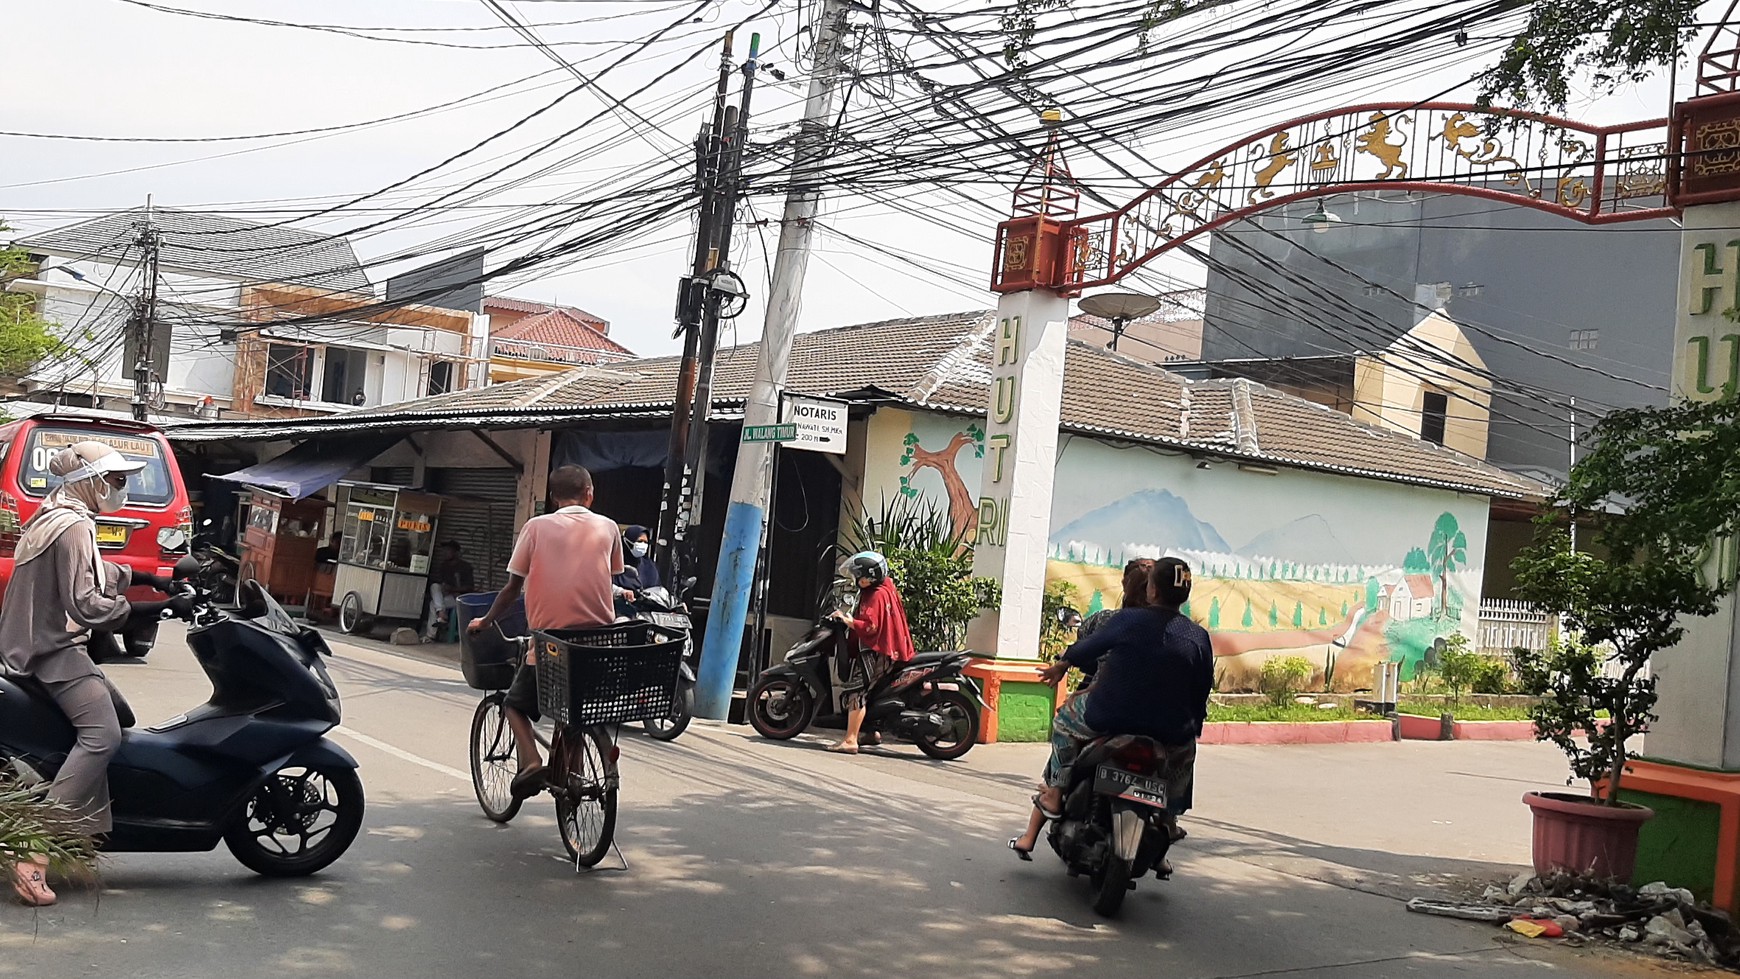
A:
1014,527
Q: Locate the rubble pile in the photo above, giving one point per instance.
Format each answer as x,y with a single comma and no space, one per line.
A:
1663,919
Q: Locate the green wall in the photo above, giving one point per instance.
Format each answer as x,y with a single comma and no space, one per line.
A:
1024,712
1679,845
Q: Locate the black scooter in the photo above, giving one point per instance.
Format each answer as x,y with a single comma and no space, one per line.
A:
927,699
250,766
1114,828
661,608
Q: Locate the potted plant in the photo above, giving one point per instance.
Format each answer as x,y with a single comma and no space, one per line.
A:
1672,467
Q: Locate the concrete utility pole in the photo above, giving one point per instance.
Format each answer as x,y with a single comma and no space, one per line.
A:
752,481
144,326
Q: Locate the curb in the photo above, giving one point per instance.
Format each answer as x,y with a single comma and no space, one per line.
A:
1295,732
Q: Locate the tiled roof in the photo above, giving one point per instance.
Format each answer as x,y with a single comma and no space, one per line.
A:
573,339
944,363
212,244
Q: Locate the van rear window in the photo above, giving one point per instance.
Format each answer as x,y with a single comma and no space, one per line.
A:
151,485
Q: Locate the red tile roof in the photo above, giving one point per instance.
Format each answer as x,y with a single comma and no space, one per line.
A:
557,334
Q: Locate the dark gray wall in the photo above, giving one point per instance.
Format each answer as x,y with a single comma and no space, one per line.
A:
1536,277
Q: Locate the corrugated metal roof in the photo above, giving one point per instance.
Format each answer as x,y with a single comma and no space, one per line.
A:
212,244
943,363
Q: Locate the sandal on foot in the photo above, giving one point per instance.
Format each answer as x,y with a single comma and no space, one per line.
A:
844,749
1026,856
1047,813
527,783
31,886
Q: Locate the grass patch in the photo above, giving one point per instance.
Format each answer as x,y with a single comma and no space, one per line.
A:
1288,712
1464,712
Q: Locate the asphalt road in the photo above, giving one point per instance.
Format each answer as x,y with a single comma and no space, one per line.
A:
747,858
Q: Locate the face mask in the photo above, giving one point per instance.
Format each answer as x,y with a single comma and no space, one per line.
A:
111,499
638,548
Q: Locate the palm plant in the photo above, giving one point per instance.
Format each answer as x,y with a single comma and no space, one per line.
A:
933,566
31,826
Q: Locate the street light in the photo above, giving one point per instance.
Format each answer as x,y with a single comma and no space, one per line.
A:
1320,220
1120,308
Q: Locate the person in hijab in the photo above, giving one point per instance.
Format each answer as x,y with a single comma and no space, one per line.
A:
641,572
62,590
880,641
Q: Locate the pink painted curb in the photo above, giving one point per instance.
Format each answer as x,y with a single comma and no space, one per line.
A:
1295,732
1418,727
1494,730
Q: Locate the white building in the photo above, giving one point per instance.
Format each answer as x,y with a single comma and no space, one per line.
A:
255,319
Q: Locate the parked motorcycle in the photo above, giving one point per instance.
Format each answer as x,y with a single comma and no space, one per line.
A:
1114,827
250,767
219,570
661,608
928,699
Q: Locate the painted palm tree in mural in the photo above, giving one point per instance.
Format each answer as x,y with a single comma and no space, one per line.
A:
1448,553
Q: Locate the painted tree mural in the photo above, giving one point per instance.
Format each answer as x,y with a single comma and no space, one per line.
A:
963,510
1448,553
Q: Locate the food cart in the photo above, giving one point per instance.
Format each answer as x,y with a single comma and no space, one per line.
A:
383,561
279,541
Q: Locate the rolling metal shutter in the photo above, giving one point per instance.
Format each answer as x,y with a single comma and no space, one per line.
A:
478,512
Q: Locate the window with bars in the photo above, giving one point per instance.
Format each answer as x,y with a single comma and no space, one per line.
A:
1585,339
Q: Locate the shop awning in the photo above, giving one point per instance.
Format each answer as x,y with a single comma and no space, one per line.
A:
312,466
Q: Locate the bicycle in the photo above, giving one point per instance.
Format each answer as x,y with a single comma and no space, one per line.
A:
588,683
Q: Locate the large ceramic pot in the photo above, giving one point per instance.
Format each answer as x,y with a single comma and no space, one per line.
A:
1578,834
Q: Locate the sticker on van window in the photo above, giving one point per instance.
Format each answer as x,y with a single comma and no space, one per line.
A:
37,482
128,446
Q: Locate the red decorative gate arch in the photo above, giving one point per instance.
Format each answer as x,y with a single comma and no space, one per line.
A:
1593,174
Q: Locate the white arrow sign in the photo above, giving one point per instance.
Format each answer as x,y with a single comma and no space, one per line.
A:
821,423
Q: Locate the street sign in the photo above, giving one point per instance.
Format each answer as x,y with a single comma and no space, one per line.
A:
770,433
821,423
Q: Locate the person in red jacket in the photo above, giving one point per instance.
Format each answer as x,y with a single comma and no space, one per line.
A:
880,638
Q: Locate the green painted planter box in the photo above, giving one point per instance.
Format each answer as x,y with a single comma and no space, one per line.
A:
1024,712
1679,845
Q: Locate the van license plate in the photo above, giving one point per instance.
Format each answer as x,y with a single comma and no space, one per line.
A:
1109,780
111,535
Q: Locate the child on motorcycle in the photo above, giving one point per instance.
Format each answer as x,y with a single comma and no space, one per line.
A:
880,638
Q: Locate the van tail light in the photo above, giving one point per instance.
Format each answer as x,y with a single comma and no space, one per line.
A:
1136,755
184,523
11,526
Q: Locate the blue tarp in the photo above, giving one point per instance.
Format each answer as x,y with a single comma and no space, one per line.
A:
310,467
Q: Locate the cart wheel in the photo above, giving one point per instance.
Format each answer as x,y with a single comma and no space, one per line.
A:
350,614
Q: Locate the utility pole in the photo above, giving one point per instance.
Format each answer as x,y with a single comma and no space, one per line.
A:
691,320
751,483
144,325
722,286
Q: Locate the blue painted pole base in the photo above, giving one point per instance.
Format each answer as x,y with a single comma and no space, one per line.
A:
732,584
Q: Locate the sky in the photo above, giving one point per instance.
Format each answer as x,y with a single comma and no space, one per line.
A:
117,68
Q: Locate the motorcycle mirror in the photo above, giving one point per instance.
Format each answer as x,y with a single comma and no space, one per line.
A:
187,567
206,522
1068,617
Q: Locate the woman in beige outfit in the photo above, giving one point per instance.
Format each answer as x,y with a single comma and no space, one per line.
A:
61,590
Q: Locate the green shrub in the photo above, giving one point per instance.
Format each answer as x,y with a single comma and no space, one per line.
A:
933,568
1492,675
31,825
1053,637
1458,665
1284,678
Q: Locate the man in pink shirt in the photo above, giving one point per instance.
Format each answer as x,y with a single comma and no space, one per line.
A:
563,561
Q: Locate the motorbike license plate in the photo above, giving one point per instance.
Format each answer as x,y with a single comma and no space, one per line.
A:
669,620
1145,789
111,535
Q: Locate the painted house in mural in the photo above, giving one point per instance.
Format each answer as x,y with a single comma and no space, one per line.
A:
1311,533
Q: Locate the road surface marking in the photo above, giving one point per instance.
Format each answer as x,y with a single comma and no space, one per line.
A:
404,755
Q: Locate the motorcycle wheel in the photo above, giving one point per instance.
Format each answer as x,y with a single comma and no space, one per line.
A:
781,708
494,759
302,818
669,728
1111,883
963,732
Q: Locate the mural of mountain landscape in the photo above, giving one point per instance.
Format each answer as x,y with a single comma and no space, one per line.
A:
1144,519
1294,589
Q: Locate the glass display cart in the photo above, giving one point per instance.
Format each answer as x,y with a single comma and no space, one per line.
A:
384,559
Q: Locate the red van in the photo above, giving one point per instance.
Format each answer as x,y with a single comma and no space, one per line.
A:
150,533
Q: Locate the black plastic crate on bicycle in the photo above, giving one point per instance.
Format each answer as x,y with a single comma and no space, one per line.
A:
621,673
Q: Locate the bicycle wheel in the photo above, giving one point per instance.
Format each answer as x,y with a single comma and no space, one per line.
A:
586,794
494,759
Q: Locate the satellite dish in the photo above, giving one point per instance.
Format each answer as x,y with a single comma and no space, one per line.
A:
1124,306
1120,308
